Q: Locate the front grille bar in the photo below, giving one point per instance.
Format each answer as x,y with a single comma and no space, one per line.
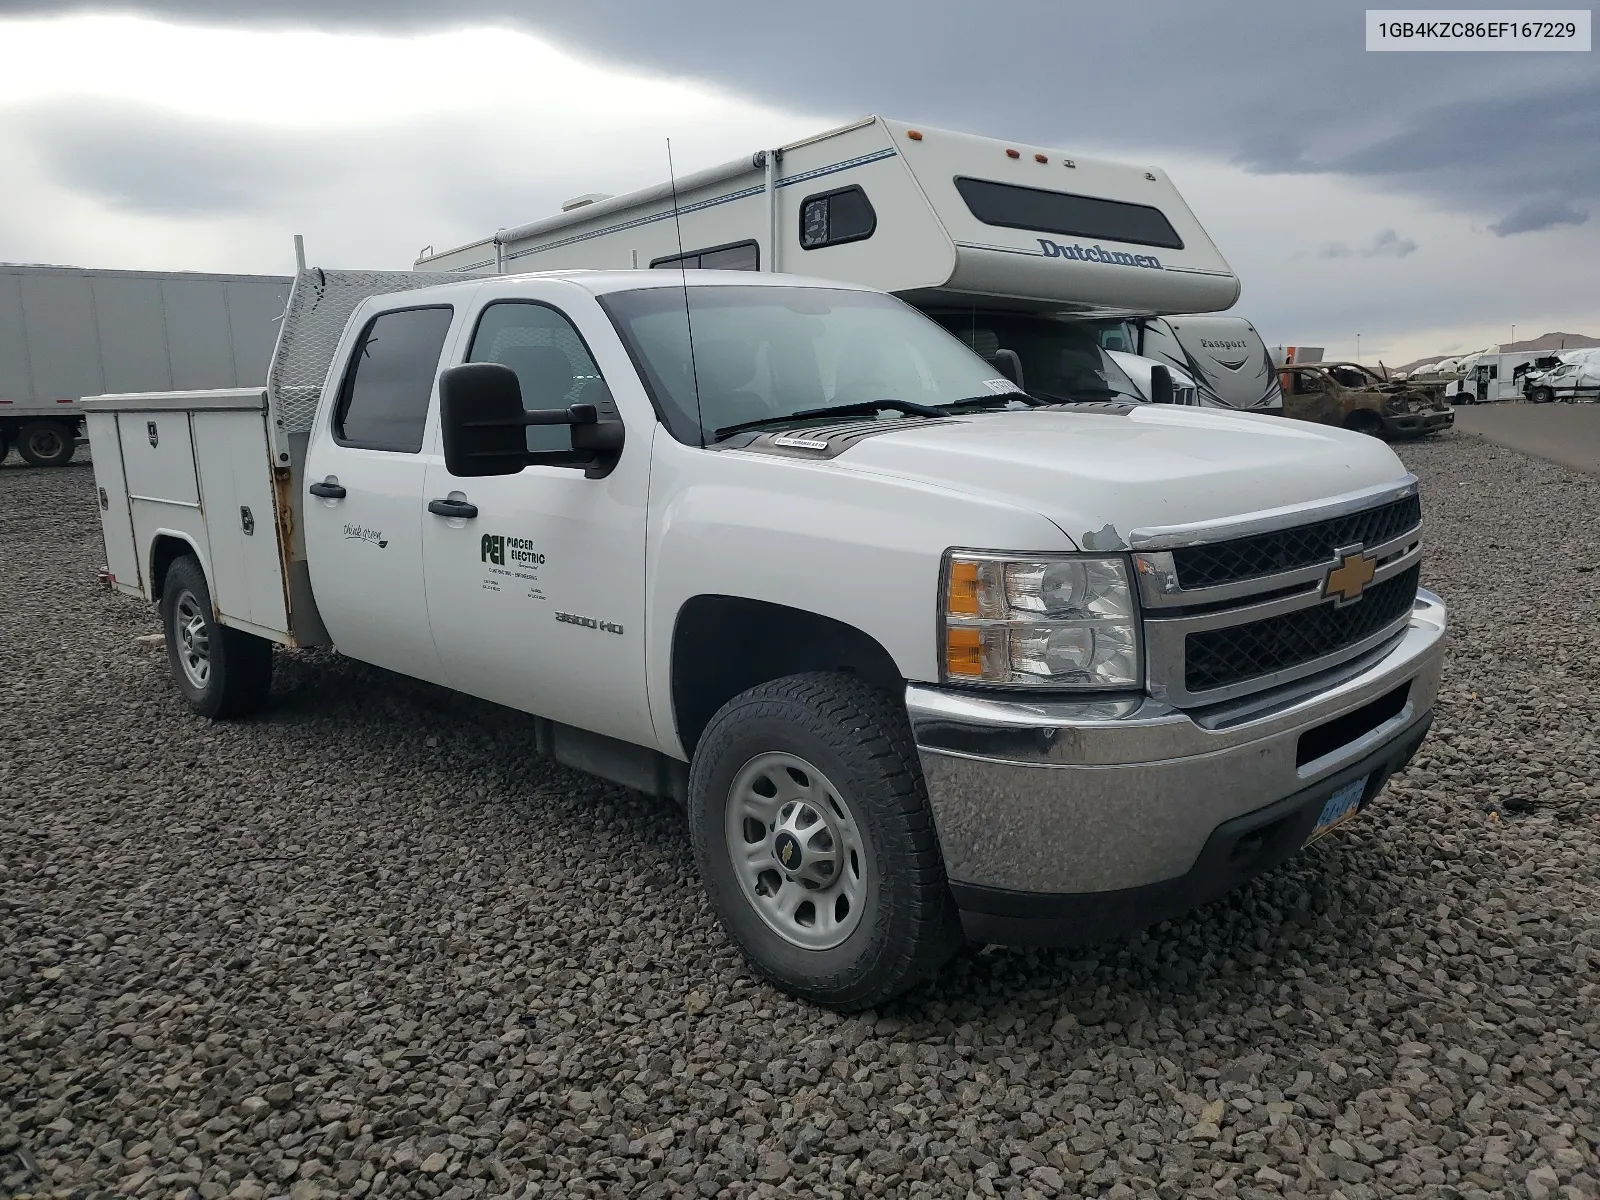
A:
1167,636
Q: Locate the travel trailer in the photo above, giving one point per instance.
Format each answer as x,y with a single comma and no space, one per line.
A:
1025,252
1225,356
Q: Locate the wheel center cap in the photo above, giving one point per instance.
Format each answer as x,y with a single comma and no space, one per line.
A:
786,849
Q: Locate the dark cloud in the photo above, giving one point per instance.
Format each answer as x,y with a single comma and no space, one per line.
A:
1273,87
1537,215
157,163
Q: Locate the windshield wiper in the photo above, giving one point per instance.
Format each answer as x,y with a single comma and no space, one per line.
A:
861,408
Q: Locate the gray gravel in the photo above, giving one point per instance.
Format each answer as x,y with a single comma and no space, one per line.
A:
369,945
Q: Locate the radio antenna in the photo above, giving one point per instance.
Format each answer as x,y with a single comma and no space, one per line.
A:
683,278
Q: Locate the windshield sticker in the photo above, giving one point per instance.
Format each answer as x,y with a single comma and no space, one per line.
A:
1000,386
512,561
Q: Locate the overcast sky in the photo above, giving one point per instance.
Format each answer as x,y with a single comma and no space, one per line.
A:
1425,201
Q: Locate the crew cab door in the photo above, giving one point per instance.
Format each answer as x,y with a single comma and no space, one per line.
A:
536,598
364,478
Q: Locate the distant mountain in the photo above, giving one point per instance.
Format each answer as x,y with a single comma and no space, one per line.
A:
1545,341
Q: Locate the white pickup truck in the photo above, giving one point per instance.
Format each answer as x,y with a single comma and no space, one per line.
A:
923,656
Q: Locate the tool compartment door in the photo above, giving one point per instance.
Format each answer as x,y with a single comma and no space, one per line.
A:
236,495
111,494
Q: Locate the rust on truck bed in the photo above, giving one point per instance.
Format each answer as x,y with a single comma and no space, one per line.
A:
1353,397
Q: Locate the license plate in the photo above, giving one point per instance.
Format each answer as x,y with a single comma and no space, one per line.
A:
1341,806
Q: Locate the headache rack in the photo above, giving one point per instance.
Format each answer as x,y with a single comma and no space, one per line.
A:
1237,607
320,303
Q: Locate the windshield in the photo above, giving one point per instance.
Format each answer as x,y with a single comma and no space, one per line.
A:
1060,360
766,353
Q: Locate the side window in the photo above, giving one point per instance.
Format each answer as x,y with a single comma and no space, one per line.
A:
829,218
736,256
552,364
383,404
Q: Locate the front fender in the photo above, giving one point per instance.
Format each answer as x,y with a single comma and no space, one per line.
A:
861,549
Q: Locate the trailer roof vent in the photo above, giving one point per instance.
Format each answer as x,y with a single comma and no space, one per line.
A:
586,198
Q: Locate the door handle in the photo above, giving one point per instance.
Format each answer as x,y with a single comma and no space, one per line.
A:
452,508
328,491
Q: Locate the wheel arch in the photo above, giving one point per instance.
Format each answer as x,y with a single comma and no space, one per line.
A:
167,546
724,645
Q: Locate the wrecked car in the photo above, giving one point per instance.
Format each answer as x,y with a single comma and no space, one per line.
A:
1353,397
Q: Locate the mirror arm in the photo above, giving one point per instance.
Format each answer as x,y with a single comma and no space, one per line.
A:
573,414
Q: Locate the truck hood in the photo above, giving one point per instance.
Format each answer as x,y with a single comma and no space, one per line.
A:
1100,473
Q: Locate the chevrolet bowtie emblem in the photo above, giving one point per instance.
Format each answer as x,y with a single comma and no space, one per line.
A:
1349,576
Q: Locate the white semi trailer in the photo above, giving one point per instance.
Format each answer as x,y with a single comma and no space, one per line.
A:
1029,254
68,332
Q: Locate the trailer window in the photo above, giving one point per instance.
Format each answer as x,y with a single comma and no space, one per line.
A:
383,404
553,365
736,256
1015,207
831,218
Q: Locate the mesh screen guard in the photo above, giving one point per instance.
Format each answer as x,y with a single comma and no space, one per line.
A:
320,304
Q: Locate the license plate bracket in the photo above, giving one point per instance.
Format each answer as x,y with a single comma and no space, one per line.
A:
1339,808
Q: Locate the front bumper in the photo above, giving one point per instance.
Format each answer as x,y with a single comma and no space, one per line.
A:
1419,423
1070,821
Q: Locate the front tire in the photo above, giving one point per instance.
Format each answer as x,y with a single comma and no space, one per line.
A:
221,672
1542,395
46,443
821,768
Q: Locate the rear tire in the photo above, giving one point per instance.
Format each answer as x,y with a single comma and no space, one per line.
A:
5,445
221,672
824,765
46,443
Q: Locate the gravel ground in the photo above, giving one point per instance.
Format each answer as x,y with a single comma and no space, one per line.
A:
368,945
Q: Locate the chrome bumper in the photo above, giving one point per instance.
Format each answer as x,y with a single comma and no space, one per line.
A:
1101,795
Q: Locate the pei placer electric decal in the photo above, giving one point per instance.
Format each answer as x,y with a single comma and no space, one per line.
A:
1100,254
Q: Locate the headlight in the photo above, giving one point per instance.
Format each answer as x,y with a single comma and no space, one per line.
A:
1061,621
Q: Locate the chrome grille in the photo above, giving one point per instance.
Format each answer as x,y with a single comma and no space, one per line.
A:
1232,654
1238,606
1286,549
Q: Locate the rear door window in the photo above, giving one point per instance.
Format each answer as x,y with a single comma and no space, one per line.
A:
384,401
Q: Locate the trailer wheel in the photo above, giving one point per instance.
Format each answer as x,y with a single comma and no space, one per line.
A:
221,672
46,443
1542,395
815,843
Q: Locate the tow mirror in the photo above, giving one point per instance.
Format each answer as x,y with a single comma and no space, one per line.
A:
482,421
1010,366
1160,385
